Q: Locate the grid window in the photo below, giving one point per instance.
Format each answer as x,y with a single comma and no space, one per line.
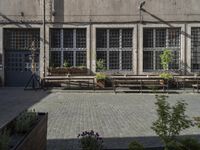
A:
55,58
148,57
195,48
21,39
101,37
80,38
80,58
148,38
114,60
55,38
160,37
69,57
115,46
127,37
127,60
68,38
156,40
102,55
69,46
114,38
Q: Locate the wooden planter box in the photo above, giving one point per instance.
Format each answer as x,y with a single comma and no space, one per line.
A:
65,71
36,139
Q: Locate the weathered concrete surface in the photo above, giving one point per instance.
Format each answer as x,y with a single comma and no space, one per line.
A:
103,10
117,117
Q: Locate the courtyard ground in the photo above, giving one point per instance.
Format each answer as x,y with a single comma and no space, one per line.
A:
118,118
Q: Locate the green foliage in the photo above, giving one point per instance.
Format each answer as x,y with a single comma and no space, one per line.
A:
25,121
100,65
166,58
166,75
101,76
171,119
4,140
197,121
135,146
66,64
173,145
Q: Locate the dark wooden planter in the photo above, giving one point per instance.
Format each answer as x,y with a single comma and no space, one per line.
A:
36,139
65,71
101,84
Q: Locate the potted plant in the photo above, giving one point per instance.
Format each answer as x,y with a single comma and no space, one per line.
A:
27,131
166,58
100,79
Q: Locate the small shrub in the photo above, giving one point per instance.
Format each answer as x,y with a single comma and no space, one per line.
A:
100,65
66,64
101,76
4,140
173,146
135,146
90,141
25,121
166,76
171,120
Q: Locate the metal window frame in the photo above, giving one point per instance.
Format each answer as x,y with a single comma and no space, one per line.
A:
120,49
62,49
155,49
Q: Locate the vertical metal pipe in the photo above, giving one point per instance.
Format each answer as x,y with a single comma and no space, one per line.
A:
44,37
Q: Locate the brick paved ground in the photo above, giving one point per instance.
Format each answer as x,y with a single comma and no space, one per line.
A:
117,117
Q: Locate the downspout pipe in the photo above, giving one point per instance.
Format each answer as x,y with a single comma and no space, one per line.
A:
44,38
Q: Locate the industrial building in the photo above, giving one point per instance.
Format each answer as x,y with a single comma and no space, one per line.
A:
129,35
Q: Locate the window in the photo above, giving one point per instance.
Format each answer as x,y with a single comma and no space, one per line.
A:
115,47
195,48
68,45
155,41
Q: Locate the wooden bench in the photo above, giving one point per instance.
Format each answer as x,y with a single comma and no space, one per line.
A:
70,80
138,82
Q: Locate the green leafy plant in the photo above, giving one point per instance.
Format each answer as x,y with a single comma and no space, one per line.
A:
66,64
4,139
100,65
171,120
135,146
100,76
166,58
25,121
90,140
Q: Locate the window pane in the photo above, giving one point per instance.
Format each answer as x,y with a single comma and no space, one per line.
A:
55,59
127,37
81,58
114,60
160,37
103,56
148,60
55,38
148,38
174,37
175,60
195,56
114,38
68,57
21,39
127,60
158,59
101,38
68,38
80,38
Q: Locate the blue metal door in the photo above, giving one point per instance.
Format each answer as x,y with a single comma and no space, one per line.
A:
18,55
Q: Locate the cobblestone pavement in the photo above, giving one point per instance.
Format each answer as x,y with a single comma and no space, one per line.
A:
117,117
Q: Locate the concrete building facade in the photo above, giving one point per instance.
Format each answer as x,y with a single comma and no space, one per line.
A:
128,35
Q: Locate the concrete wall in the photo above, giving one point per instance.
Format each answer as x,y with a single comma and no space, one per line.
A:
102,10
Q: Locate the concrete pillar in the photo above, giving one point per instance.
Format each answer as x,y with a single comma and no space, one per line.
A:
2,55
